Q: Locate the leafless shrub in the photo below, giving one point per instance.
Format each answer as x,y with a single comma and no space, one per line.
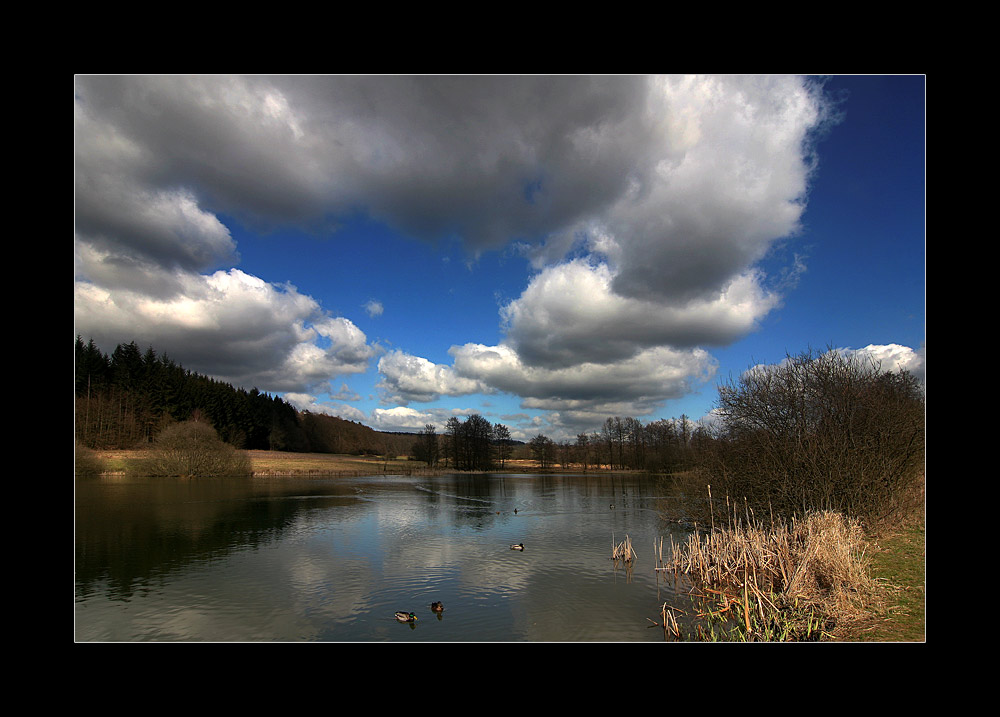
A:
86,461
192,448
821,432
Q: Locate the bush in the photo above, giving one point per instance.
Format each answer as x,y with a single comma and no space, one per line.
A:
821,432
193,448
86,462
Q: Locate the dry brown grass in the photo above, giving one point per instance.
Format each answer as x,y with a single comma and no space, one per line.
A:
278,463
819,562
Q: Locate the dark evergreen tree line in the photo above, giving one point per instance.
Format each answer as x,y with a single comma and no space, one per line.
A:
125,399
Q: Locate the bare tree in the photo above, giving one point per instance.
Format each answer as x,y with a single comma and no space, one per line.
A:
543,449
426,447
583,449
502,442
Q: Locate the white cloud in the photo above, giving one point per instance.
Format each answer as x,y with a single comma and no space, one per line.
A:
374,308
407,378
413,420
400,418
648,377
231,325
569,314
633,386
893,357
309,402
888,357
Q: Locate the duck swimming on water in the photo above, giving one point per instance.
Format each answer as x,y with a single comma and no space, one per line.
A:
437,607
406,616
519,546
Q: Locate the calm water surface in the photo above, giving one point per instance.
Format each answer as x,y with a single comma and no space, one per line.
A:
289,559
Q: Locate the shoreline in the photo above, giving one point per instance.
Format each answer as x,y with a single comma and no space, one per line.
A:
281,464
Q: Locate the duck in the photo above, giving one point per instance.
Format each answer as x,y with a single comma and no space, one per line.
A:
406,616
437,607
519,546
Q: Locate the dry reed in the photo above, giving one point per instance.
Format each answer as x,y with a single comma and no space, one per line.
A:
623,551
757,573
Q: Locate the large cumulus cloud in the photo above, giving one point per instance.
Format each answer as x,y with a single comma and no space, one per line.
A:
645,202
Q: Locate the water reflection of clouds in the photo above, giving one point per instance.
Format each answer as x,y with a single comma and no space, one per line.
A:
337,570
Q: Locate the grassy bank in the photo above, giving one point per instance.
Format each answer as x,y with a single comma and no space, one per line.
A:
898,565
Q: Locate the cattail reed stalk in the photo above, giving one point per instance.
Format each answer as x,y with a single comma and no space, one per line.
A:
711,507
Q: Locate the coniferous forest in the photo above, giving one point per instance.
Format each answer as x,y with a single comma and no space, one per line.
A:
123,400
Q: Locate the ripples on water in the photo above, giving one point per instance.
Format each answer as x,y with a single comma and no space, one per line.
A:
332,560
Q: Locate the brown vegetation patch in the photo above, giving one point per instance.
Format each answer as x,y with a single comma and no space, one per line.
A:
816,566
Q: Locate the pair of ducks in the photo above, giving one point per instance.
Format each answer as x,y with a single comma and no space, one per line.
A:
404,616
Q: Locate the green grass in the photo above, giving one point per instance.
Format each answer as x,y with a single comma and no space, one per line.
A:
902,565
899,565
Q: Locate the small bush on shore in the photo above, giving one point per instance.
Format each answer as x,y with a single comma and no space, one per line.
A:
86,462
192,448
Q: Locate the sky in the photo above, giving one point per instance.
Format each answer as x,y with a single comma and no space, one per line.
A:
545,251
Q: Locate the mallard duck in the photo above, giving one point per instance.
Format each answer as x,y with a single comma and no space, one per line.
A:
519,546
437,607
406,616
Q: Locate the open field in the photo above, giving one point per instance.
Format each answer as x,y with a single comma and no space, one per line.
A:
279,463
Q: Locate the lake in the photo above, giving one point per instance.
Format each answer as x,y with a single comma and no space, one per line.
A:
332,559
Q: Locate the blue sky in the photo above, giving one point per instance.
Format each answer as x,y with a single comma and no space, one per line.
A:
544,251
